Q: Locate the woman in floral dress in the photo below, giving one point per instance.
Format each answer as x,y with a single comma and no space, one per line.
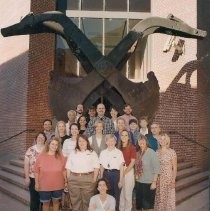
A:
165,192
29,162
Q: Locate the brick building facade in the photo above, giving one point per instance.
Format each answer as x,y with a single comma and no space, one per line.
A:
184,84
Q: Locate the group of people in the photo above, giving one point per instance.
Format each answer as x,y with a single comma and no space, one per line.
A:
109,164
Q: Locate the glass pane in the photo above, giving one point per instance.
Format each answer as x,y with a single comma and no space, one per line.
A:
66,62
140,5
72,4
115,30
93,29
92,5
116,5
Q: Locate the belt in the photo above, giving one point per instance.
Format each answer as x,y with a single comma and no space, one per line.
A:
112,170
80,174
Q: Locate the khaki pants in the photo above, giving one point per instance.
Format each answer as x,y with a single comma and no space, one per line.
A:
81,189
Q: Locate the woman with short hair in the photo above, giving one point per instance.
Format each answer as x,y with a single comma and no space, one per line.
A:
82,171
102,200
147,168
98,140
112,161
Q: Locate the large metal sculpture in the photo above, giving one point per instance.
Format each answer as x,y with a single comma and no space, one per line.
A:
103,72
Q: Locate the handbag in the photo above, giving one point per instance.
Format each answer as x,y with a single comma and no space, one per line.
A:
66,201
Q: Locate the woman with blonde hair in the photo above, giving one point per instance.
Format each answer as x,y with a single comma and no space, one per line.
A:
50,175
165,193
98,140
60,131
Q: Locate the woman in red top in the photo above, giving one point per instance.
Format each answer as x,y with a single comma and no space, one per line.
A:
50,175
129,153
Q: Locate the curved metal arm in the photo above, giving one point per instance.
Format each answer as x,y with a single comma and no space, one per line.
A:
84,50
170,25
58,23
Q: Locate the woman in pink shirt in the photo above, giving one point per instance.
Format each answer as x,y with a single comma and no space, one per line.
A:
50,175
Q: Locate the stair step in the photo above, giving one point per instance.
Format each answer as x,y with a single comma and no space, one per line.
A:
187,172
180,160
184,165
13,179
19,163
191,180
190,191
21,157
14,192
13,169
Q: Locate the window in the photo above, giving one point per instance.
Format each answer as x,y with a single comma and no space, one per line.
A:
105,27
139,5
72,4
116,5
92,5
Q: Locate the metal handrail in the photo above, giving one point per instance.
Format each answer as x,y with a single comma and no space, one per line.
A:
27,130
190,139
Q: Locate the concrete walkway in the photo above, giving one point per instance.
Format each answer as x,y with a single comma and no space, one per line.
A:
9,204
198,202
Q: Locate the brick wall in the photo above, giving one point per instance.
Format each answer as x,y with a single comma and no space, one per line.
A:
13,80
41,62
13,97
183,103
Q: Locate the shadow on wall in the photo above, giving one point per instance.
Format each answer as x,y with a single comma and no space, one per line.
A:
13,103
179,111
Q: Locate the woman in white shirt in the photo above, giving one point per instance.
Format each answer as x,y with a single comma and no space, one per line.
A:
70,144
98,141
102,201
82,171
112,161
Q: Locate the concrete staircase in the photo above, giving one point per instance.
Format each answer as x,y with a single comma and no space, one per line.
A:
190,180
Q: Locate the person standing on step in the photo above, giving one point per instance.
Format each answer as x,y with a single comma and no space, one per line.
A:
112,162
82,171
71,119
129,154
29,162
165,192
153,138
47,126
98,141
50,175
147,168
108,124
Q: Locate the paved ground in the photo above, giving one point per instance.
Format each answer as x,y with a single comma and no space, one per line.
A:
9,204
199,202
